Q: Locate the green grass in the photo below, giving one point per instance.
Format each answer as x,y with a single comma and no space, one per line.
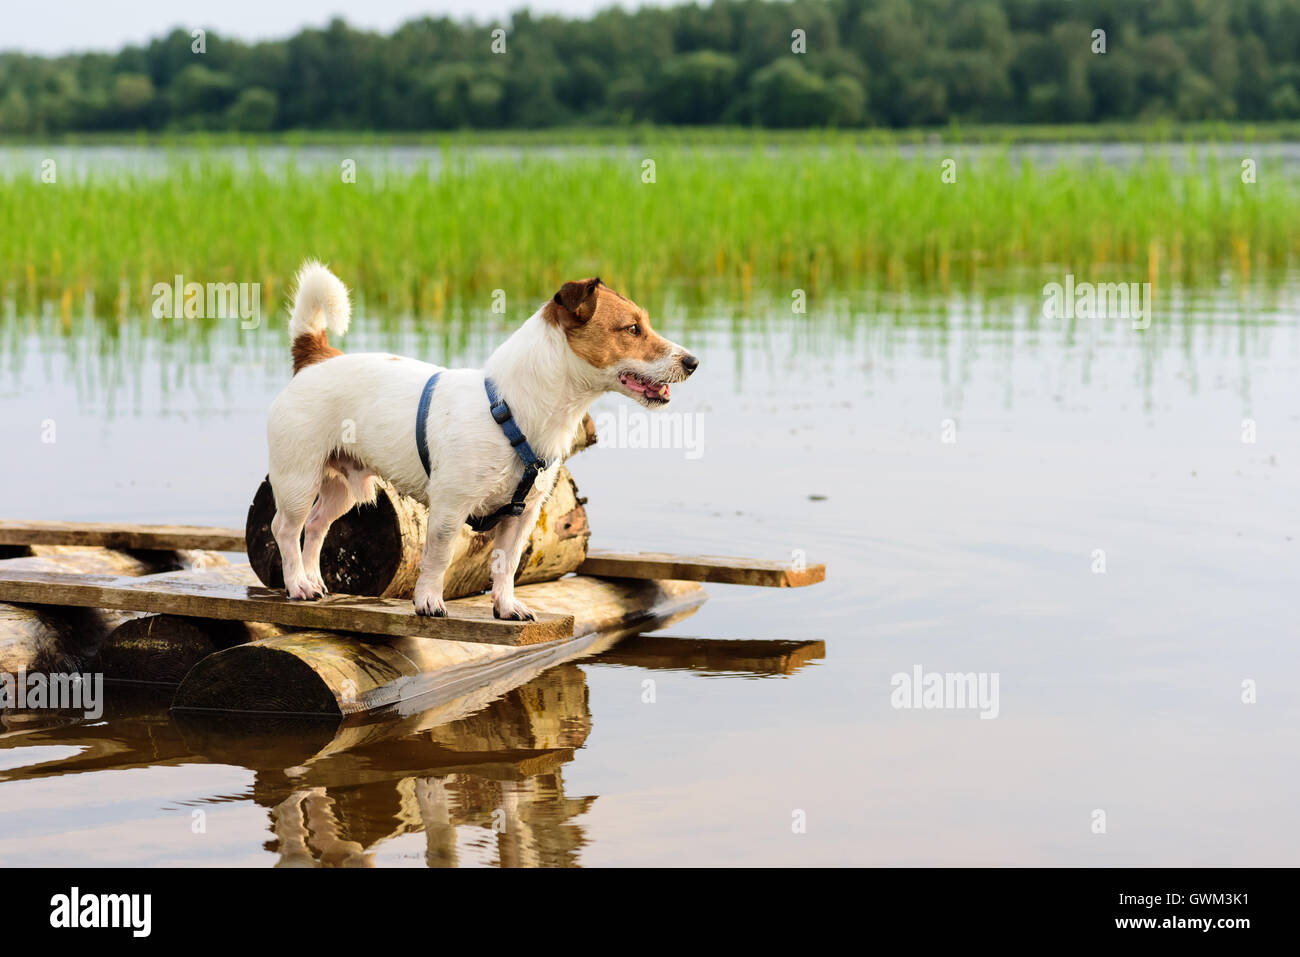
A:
822,215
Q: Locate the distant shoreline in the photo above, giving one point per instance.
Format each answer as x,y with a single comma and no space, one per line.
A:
1004,134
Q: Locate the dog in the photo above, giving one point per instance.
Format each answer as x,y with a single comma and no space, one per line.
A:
344,420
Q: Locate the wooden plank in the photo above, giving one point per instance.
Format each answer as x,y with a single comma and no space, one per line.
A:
373,616
119,535
722,569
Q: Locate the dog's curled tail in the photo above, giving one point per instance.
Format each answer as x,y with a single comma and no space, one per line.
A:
319,305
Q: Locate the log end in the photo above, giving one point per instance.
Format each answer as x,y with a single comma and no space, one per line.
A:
280,681
365,546
153,649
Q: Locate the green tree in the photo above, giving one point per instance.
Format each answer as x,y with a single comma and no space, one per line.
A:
198,91
848,101
786,94
254,110
15,112
695,87
133,95
1285,102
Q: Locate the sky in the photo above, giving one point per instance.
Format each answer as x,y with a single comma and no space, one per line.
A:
61,26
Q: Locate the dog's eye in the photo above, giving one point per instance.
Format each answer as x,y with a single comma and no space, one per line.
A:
635,329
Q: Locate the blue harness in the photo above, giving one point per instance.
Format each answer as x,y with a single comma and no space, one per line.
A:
503,417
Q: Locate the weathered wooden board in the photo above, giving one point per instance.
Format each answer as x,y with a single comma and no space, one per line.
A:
119,535
373,616
701,568
319,672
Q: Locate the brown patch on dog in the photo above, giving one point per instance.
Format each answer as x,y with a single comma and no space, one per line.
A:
312,348
598,323
589,430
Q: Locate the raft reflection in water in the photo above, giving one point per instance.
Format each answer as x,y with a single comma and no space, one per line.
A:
480,774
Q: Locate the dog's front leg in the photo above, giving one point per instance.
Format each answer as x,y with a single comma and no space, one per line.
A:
514,532
444,526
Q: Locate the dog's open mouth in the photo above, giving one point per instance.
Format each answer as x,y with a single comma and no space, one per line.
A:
652,391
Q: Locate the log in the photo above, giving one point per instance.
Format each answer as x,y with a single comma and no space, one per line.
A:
329,674
375,549
49,640
161,649
370,616
723,569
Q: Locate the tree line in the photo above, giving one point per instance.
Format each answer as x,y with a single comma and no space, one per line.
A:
802,63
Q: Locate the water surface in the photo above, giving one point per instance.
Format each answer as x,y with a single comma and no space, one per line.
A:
958,463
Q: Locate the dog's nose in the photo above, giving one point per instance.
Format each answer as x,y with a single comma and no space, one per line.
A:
690,363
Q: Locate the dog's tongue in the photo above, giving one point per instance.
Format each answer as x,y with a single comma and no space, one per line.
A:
645,388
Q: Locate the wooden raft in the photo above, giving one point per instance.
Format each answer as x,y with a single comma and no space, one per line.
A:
191,614
606,563
219,599
318,672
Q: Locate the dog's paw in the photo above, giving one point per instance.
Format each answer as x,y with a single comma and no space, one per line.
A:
513,611
318,584
303,590
430,607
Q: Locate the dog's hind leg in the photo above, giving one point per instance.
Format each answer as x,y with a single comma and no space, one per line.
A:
292,504
336,498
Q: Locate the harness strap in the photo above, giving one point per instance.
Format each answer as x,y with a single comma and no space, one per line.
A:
503,417
421,420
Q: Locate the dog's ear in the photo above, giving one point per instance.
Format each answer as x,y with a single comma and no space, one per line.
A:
578,298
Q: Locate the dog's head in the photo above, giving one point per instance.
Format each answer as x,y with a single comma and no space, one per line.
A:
613,336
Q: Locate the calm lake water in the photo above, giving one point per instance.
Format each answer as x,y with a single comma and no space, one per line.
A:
81,161
1102,517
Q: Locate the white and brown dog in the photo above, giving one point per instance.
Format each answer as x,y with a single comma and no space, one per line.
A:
482,435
